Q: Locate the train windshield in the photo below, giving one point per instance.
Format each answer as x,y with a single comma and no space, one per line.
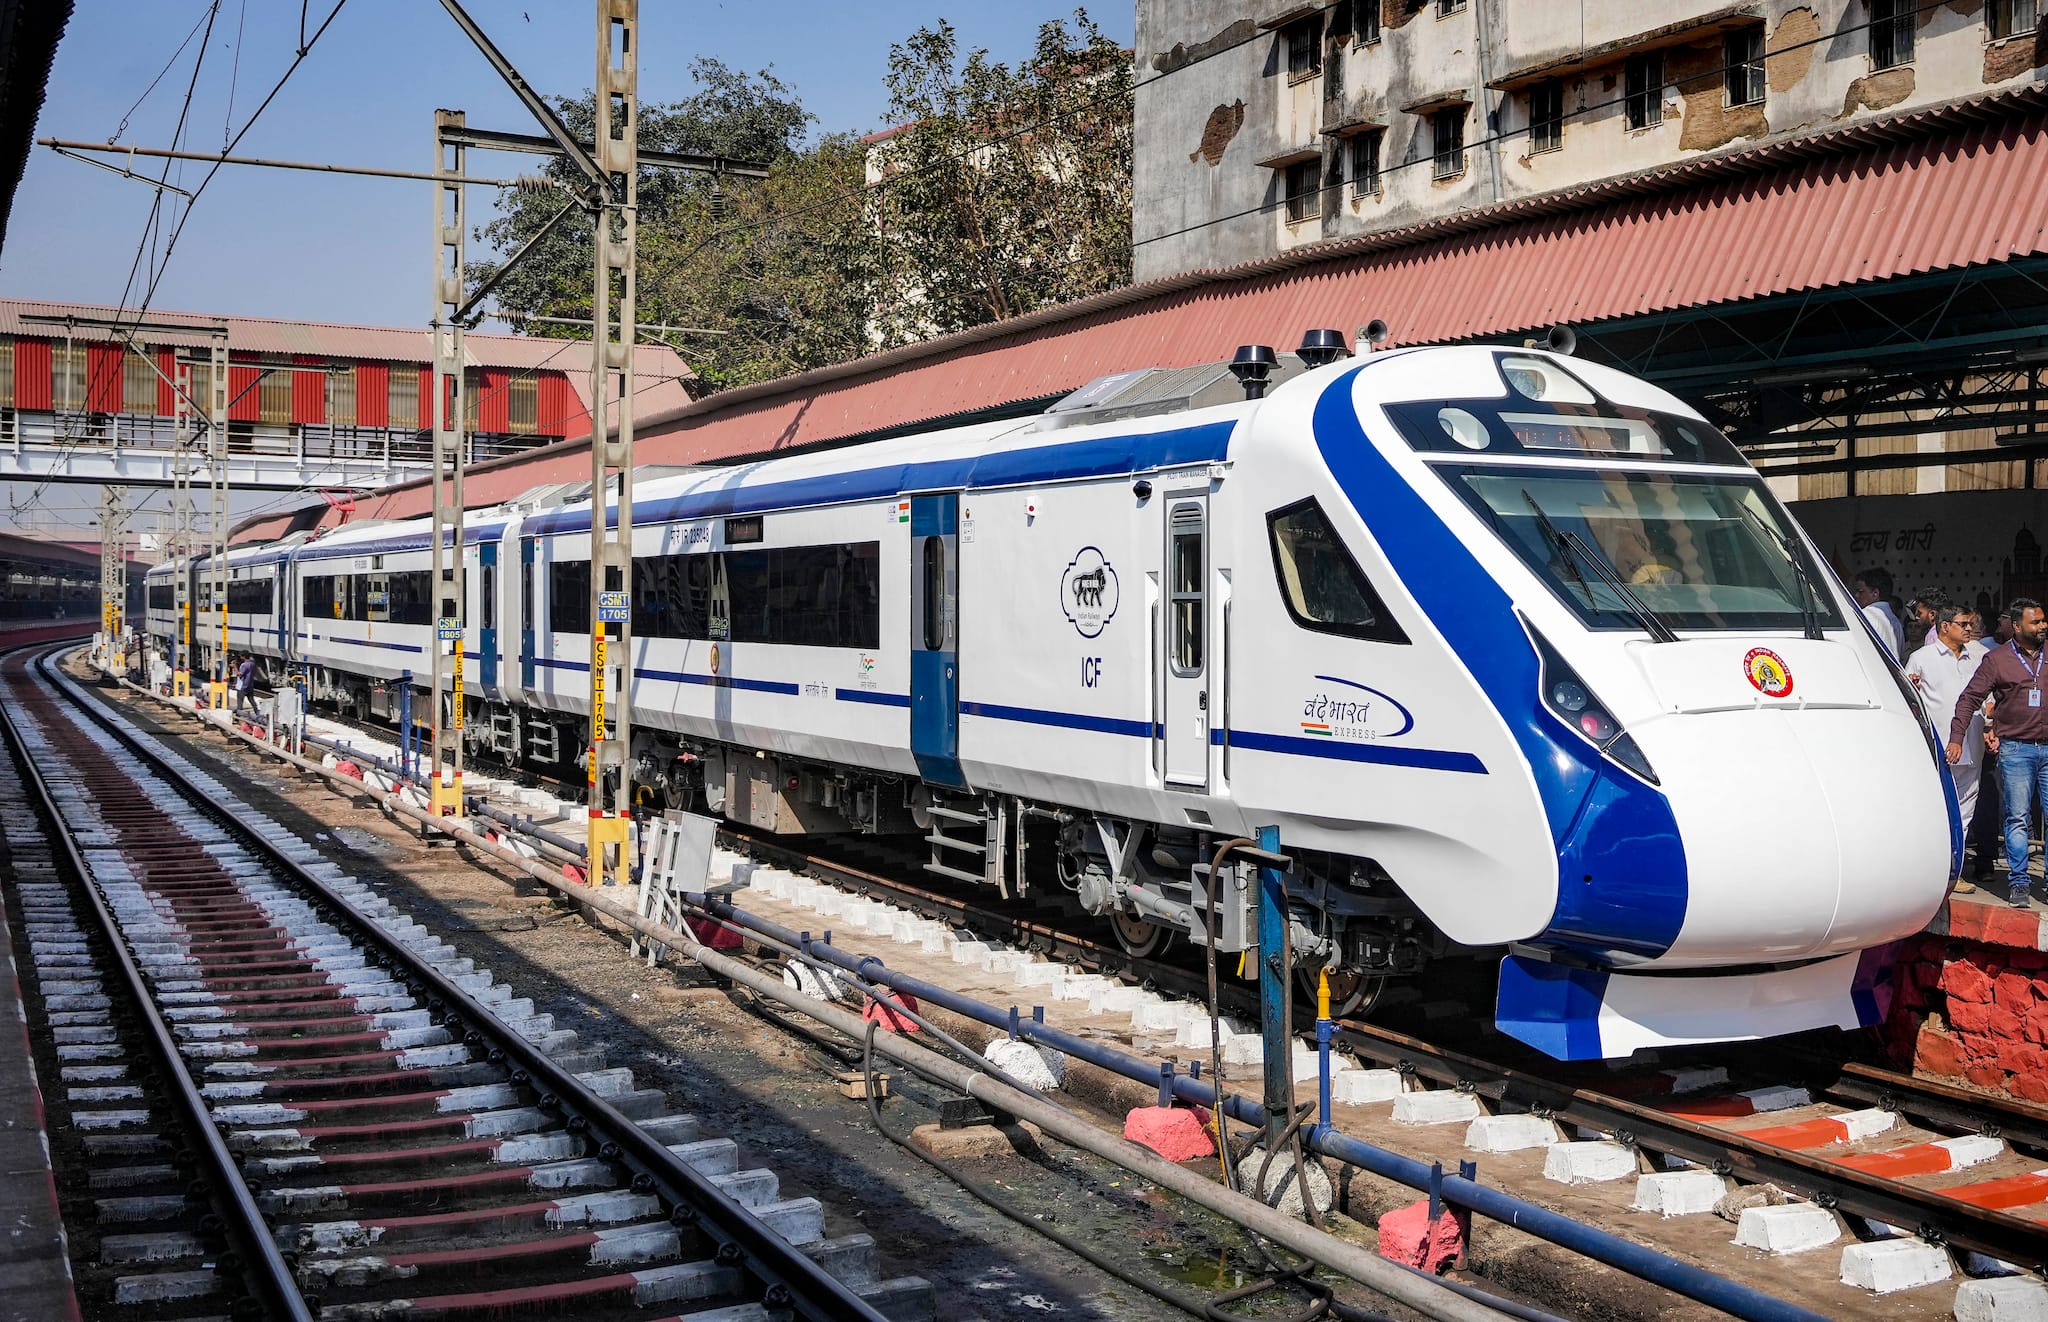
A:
1637,549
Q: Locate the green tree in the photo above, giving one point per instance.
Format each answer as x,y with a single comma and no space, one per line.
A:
1007,189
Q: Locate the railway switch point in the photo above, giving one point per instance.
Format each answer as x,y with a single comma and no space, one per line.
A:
1438,1106
1510,1133
1041,1067
1787,1228
1887,1265
1175,1133
1408,1235
1591,1161
2003,1299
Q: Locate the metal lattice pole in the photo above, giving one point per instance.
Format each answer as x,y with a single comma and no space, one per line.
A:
450,418
180,545
217,420
611,449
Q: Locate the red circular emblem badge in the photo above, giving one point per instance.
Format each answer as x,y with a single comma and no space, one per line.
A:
714,658
1767,673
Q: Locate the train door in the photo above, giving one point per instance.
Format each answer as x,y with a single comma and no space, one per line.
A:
287,613
935,638
1186,641
487,615
526,652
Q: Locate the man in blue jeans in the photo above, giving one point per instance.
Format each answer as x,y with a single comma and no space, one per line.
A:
2018,732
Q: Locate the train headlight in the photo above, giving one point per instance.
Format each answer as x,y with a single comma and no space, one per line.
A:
1573,703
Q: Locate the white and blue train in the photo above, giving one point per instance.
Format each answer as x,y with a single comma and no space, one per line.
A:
1515,651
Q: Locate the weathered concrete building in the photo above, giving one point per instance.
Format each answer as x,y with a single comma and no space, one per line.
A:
1267,125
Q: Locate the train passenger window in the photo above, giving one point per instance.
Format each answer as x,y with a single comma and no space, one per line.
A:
1184,575
378,598
1323,586
569,596
934,594
526,584
487,598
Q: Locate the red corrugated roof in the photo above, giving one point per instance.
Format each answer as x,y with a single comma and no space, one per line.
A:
1937,189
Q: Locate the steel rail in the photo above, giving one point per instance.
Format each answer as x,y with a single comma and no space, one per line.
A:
1929,1213
787,1277
1942,1104
261,1265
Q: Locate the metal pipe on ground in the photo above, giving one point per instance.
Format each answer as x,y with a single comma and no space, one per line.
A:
1422,1293
1648,1264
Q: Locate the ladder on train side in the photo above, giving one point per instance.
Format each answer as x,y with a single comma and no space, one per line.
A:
954,846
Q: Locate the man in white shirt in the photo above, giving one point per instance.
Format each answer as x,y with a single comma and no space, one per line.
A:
1871,589
1940,671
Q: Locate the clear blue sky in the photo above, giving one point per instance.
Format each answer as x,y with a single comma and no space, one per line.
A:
276,244
267,243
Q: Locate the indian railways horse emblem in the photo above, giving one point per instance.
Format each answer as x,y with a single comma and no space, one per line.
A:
1767,673
1088,592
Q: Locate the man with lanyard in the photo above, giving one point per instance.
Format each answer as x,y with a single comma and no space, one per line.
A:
1940,671
2011,676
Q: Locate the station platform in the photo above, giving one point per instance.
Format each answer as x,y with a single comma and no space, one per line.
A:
35,1260
1972,995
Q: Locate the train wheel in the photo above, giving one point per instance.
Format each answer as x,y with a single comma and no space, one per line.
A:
1351,994
1140,939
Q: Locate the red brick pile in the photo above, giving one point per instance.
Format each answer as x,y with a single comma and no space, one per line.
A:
1973,1011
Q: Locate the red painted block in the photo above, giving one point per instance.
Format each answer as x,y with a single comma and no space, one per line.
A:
1970,1016
1805,1134
716,935
2012,927
1964,981
2013,1191
888,1014
2029,1087
1408,1236
2013,991
1937,1053
1966,920
1985,1076
1173,1132
1919,1159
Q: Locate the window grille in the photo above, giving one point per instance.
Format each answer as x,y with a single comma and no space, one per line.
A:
1365,21
1447,137
1643,98
1546,116
6,374
1743,66
138,381
1891,33
1446,8
274,391
341,395
2010,18
1365,163
1304,191
403,399
67,376
1305,48
525,404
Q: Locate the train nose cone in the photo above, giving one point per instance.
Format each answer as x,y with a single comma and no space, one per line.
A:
1813,817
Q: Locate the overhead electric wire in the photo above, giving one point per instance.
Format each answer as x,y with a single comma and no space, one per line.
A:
122,127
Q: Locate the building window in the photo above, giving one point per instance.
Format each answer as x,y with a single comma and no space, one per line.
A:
2010,18
1546,116
341,395
1446,8
1365,163
1643,101
1447,139
6,374
525,404
67,376
403,399
1365,22
1743,66
138,382
1303,183
1305,49
274,391
1891,33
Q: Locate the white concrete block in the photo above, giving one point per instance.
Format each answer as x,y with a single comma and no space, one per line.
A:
1041,1067
938,942
969,952
1866,1123
2004,1299
1118,998
1510,1133
1195,1031
1591,1162
1308,1065
1003,960
1440,1106
1365,1087
1245,1049
1885,1265
1787,1228
1159,1016
1679,1193
1082,986
1778,1098
1041,973
881,919
1970,1150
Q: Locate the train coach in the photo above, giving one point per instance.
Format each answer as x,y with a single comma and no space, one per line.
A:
1517,653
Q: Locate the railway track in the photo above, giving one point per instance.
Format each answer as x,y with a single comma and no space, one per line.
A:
1883,1147
278,1097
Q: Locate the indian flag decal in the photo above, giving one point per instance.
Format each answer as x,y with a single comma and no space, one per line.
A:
1316,727
902,511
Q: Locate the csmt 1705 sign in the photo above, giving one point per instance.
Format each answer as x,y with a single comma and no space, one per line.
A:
614,607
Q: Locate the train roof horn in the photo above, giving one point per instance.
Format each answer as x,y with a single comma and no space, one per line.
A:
1321,347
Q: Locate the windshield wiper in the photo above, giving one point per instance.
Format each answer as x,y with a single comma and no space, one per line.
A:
1809,591
1576,552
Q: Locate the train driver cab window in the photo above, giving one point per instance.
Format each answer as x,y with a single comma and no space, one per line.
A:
1184,556
1323,586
